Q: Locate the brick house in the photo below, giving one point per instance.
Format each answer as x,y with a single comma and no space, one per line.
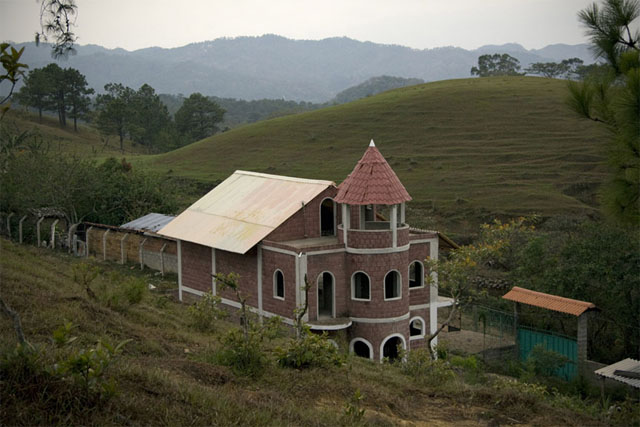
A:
364,263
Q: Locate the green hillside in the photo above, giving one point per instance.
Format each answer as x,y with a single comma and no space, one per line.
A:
467,150
86,142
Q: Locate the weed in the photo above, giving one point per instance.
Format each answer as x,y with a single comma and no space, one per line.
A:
206,311
353,412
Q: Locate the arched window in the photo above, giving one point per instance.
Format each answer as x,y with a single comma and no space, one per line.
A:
278,284
416,328
327,218
416,275
360,286
389,347
392,285
362,348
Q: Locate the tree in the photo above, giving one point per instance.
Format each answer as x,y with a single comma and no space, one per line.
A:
495,249
198,117
150,116
496,65
35,91
114,110
613,99
56,21
78,95
567,68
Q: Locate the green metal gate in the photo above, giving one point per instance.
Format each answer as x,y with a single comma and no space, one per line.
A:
529,338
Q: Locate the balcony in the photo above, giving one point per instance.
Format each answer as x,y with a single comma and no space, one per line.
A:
375,235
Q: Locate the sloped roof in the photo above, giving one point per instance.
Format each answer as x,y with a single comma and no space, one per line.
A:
243,210
617,372
372,182
150,222
550,302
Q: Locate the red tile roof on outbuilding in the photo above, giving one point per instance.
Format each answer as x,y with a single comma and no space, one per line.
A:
550,302
372,182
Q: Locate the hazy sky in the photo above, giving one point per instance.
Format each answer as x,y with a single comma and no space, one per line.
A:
134,24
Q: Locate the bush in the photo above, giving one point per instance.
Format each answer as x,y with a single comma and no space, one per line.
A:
205,311
419,365
470,367
544,362
308,351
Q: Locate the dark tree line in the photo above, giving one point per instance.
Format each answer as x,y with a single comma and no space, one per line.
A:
63,91
139,115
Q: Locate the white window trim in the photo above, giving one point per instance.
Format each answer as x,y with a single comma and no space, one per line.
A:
335,218
409,275
368,344
424,328
275,285
384,286
333,292
353,286
384,341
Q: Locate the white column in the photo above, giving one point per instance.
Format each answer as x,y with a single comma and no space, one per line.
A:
433,292
345,223
70,236
179,270
87,233
394,225
402,213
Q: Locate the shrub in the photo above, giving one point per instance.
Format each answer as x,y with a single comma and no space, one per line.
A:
419,365
310,350
543,362
205,311
470,367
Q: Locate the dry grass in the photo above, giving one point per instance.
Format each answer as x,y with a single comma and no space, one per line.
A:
165,376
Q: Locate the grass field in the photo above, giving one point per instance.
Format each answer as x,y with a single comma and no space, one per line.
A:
167,374
86,142
467,150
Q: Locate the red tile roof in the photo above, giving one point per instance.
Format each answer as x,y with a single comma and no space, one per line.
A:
372,182
550,302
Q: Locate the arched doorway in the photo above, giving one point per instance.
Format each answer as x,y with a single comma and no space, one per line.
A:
327,218
361,348
390,347
325,295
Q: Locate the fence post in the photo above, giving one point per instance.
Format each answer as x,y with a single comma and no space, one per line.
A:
9,224
141,253
38,228
20,228
70,237
53,234
104,245
123,253
162,258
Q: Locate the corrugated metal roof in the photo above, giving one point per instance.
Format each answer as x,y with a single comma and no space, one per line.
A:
150,222
550,302
372,182
629,365
243,210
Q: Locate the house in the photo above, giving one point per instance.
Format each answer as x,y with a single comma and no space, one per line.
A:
351,242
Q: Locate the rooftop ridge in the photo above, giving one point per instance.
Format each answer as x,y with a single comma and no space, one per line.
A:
284,177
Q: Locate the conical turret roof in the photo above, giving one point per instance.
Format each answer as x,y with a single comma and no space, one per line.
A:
372,182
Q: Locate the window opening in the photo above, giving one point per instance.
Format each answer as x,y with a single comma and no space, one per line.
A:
392,285
361,286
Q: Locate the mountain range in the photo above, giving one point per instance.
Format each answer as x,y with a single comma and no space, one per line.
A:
272,66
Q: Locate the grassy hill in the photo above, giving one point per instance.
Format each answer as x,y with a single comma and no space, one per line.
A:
86,142
467,150
168,374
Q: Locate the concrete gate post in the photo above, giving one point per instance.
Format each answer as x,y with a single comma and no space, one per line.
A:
70,238
20,228
38,228
104,245
86,246
53,234
123,253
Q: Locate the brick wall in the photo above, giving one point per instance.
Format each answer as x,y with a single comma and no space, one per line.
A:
305,222
246,266
287,264
196,266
